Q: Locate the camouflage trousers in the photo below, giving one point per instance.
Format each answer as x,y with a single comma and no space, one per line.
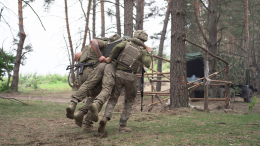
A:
82,78
104,73
127,80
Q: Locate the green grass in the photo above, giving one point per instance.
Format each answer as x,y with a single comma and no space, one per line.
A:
61,87
45,122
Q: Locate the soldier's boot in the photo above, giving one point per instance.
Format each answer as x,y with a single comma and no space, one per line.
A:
70,110
87,127
78,117
102,125
94,111
124,129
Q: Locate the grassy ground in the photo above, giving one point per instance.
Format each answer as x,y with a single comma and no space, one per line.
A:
44,123
61,87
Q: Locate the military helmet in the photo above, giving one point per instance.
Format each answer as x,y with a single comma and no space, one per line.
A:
142,35
114,37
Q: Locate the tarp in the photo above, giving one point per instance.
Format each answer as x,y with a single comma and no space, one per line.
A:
194,56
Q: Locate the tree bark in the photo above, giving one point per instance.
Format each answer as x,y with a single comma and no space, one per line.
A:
246,34
94,20
14,85
178,72
71,47
102,18
213,23
128,17
118,25
139,15
258,60
160,52
86,27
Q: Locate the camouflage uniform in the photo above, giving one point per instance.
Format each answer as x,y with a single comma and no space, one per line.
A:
87,71
89,56
125,78
94,78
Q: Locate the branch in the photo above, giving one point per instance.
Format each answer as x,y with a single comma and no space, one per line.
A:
199,26
14,100
67,49
83,10
205,6
111,2
222,29
35,13
1,13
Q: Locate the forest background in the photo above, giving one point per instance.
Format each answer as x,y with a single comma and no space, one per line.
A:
237,29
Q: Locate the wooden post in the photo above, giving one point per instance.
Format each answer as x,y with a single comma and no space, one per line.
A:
205,86
152,78
227,86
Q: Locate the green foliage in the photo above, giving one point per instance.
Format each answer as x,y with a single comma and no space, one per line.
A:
3,60
34,80
4,87
237,69
252,104
237,89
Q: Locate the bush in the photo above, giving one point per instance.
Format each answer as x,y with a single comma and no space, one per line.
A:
4,87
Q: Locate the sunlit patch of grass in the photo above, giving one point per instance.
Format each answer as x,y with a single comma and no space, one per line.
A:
61,87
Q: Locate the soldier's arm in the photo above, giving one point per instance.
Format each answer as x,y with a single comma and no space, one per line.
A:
116,49
96,45
146,58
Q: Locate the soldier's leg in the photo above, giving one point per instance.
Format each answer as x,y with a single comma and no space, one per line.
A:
92,80
108,83
78,117
85,89
111,105
131,91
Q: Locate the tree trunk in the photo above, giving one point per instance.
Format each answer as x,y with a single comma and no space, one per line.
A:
160,52
71,47
246,35
118,25
94,20
14,85
102,18
139,15
178,75
212,45
86,27
128,17
258,60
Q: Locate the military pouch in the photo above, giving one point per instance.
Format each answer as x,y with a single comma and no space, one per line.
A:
129,57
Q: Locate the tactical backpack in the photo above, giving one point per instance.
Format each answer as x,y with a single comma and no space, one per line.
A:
130,55
110,46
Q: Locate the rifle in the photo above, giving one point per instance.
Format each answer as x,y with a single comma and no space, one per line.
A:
80,66
142,88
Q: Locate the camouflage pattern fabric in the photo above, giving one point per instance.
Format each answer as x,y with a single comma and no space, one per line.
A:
108,83
127,80
92,80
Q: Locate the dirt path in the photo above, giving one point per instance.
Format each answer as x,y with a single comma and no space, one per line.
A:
238,105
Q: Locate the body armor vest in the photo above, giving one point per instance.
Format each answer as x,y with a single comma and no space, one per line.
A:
129,57
109,48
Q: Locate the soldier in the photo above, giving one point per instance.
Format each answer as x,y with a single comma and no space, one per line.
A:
132,58
87,55
94,78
